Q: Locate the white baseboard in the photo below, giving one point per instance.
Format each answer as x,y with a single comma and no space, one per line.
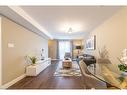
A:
12,82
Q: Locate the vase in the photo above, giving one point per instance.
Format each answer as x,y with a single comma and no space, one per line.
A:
33,64
124,73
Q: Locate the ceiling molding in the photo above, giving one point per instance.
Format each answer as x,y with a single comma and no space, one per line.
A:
23,14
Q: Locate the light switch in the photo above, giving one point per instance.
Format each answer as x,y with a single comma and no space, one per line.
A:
10,45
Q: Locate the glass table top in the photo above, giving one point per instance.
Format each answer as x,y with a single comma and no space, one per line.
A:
110,74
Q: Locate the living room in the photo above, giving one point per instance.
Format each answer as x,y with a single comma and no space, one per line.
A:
36,48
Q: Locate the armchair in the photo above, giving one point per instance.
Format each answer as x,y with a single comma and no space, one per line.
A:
67,55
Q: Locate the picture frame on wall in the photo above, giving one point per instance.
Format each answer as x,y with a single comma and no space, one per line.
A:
91,43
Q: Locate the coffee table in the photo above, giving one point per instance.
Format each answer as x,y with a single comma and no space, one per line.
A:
67,63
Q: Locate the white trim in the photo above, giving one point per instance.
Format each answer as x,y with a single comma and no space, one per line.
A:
0,51
23,14
13,82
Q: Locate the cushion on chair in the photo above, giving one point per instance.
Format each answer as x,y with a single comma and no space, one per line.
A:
83,67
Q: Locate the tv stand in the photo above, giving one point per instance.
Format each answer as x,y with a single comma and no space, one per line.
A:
34,70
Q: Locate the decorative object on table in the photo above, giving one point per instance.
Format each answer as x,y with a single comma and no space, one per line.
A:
124,56
124,53
91,43
123,62
103,54
27,60
30,60
42,54
122,67
33,60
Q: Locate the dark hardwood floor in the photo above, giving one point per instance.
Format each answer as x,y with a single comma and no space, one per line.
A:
46,80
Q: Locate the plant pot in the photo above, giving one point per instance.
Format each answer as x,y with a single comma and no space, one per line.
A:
33,64
124,73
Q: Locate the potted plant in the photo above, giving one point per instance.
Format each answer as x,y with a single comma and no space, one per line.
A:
122,67
33,60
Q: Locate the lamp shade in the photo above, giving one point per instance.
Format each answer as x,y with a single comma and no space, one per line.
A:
78,47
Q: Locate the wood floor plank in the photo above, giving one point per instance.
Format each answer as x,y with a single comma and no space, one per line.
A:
46,80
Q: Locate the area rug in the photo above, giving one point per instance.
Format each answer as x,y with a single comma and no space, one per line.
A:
74,71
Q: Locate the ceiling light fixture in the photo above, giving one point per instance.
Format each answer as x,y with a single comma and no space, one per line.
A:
70,30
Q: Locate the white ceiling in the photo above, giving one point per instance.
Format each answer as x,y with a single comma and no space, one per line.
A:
56,20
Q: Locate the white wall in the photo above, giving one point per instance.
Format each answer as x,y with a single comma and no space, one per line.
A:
25,42
0,54
112,34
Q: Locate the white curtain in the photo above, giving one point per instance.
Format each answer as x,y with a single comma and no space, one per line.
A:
64,46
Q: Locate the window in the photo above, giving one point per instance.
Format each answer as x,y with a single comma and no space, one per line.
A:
64,46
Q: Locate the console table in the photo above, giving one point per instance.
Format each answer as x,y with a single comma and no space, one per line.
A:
34,70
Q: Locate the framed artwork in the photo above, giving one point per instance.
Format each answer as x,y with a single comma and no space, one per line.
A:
91,43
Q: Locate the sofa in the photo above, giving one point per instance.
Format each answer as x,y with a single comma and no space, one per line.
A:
88,59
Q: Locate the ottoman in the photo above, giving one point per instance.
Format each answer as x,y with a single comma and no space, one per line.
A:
67,63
